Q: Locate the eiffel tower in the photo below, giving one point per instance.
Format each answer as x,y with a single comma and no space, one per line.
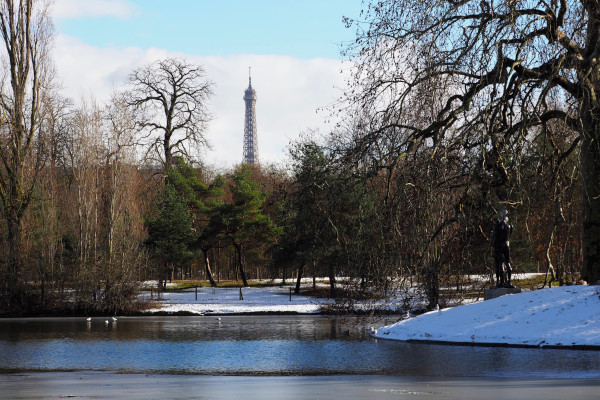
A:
250,137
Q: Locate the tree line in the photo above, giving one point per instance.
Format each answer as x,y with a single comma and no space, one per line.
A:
455,111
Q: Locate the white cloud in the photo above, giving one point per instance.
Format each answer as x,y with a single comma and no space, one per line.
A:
289,92
92,8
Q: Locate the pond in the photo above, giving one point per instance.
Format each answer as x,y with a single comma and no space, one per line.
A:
267,346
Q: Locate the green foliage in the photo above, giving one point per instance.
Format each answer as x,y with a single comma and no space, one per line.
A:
331,213
199,197
242,220
246,218
312,229
182,226
170,232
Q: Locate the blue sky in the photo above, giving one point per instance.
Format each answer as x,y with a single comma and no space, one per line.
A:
292,46
300,28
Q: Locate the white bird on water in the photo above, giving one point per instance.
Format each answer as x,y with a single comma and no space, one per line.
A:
89,319
114,319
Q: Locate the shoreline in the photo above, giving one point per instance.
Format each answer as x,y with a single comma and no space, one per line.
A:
502,345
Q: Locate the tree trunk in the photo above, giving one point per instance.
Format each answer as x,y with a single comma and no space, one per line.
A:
431,283
313,275
332,282
558,218
167,150
207,266
163,273
300,272
590,167
14,282
240,262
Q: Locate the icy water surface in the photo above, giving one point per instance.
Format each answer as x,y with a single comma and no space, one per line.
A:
99,385
262,345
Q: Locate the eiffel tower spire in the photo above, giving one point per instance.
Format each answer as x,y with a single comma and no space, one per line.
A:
250,136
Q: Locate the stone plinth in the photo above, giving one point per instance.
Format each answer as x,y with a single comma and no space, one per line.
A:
494,292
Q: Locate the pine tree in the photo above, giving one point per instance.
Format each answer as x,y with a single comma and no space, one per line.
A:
170,233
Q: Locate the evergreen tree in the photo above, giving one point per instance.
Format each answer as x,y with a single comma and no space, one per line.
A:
243,222
170,233
203,202
331,210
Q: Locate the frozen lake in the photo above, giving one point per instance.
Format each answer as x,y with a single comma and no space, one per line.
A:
41,355
97,385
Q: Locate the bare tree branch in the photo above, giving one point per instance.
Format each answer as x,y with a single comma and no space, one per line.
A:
170,97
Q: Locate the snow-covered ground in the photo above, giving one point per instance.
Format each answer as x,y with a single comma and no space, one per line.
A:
228,301
561,316
277,298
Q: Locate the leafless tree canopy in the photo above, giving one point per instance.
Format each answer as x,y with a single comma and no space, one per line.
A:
171,97
488,76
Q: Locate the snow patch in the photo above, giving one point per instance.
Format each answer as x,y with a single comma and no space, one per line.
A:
562,316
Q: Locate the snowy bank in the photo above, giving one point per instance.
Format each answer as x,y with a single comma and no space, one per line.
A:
562,316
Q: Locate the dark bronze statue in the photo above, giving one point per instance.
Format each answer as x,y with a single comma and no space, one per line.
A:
500,242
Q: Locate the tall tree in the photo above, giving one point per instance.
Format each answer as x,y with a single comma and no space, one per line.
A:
498,73
123,230
171,97
314,234
170,233
26,33
331,211
85,154
243,222
203,201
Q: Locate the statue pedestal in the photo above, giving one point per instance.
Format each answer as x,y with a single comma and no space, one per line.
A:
494,292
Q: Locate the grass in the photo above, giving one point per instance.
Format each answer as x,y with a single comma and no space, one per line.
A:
532,283
190,284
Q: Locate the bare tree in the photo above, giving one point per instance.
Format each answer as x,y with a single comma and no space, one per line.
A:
121,139
170,96
26,31
85,154
42,226
502,63
123,229
105,225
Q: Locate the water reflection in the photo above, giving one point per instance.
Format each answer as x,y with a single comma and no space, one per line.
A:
176,329
273,345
